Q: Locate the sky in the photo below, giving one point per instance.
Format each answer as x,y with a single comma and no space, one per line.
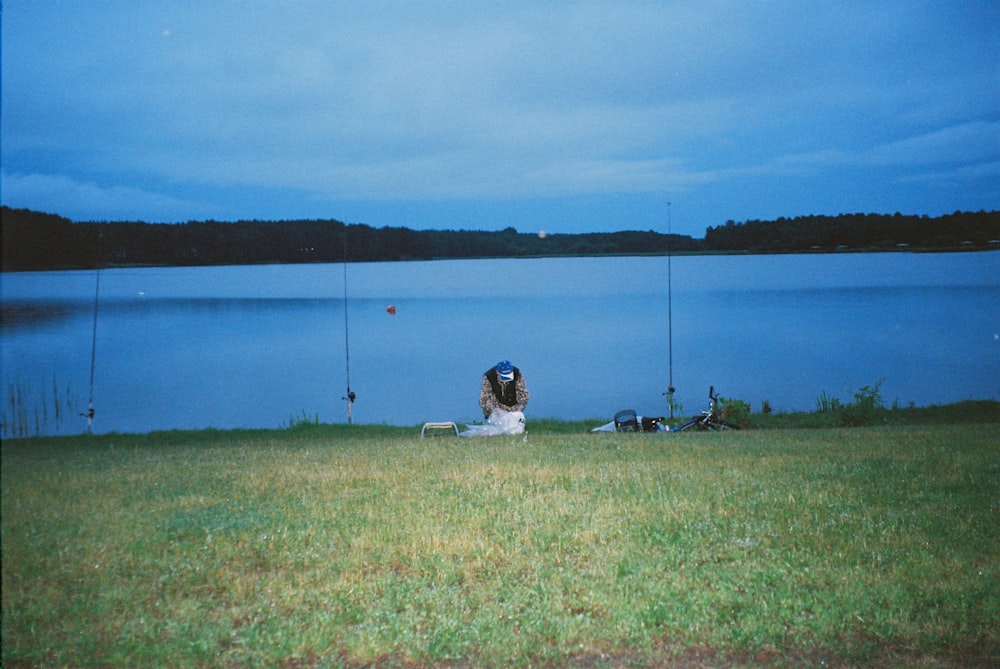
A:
566,117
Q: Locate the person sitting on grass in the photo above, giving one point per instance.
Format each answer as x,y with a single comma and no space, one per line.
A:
503,389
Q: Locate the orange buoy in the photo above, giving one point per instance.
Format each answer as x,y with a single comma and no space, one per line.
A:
391,309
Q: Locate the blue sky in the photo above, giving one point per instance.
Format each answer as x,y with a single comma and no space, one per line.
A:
556,116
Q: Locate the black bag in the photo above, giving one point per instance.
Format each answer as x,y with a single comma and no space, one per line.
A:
626,421
651,424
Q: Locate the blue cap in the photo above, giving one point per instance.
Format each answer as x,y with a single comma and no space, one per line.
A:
505,370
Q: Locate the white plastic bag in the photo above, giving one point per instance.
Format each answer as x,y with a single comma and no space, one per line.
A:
499,422
507,422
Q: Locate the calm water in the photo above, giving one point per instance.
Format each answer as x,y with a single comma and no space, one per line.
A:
258,346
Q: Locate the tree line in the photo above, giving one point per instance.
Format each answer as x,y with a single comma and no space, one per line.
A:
857,232
37,241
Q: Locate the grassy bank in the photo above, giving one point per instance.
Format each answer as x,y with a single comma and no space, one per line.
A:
359,545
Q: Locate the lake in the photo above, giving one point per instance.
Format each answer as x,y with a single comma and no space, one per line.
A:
260,346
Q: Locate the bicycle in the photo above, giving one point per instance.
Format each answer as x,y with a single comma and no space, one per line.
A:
707,420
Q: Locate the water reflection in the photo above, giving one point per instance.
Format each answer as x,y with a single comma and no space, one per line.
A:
258,346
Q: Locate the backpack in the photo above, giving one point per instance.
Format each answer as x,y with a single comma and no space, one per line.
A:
649,424
626,421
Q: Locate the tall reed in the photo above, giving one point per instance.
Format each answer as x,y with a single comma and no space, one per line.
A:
31,410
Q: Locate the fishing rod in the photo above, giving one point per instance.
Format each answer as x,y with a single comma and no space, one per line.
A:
93,338
350,397
670,320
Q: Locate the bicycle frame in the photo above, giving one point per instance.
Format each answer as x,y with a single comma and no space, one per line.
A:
707,420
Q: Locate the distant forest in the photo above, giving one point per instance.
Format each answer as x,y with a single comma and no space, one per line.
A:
39,241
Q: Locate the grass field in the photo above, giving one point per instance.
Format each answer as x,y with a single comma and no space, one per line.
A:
366,545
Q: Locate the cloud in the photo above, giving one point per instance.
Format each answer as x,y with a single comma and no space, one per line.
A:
967,144
76,199
964,143
177,104
985,173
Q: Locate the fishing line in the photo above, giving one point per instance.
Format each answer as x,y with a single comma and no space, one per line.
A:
347,346
670,319
93,339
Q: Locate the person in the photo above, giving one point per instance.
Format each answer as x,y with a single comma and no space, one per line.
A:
503,389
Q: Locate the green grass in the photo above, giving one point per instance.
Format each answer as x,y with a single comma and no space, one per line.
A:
359,545
840,415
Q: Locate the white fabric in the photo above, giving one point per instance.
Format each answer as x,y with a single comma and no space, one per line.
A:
610,427
499,422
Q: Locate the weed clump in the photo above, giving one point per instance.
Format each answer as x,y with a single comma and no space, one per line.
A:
866,409
734,412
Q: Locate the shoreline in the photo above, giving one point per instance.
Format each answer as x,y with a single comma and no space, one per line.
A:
966,412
